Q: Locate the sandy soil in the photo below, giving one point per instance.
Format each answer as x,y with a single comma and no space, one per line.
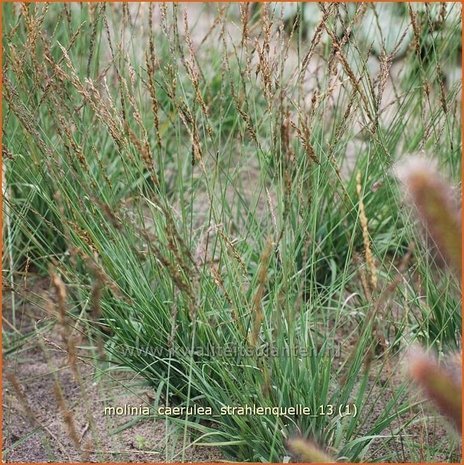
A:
34,429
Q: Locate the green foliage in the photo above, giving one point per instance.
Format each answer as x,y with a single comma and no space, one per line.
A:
167,170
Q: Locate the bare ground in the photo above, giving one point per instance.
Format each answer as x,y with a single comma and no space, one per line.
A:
34,423
34,426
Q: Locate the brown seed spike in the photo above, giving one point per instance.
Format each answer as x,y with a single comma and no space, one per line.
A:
308,451
435,206
441,385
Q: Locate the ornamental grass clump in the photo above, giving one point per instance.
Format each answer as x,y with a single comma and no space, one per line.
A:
219,207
